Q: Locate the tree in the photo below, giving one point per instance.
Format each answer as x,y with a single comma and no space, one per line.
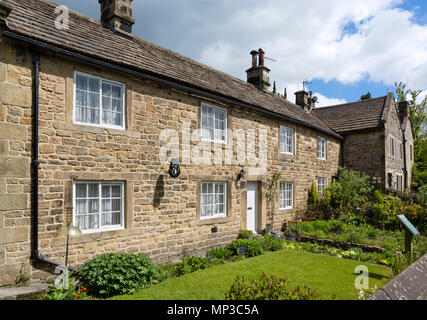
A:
366,96
418,118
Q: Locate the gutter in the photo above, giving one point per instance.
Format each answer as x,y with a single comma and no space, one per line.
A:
35,166
165,82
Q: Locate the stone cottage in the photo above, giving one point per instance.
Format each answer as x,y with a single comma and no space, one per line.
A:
145,150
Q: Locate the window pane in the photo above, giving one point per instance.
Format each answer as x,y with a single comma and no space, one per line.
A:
116,105
116,218
93,190
93,116
117,92
117,118
81,98
106,89
93,100
106,103
106,206
116,205
81,190
81,82
93,85
81,206
105,191
115,191
93,206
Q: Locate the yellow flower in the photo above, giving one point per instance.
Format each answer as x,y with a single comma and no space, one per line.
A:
384,262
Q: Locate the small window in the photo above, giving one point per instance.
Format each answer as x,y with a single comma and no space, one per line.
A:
399,183
213,200
286,195
287,141
98,206
391,146
214,124
390,180
98,102
321,185
321,148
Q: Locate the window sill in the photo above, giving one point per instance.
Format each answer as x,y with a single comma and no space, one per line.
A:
214,221
286,209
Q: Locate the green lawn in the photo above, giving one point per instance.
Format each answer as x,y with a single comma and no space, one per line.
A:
328,275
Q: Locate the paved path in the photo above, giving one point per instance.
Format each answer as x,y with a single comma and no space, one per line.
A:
17,293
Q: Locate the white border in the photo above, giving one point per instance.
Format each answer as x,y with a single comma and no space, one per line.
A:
224,215
225,127
100,125
293,140
100,183
292,198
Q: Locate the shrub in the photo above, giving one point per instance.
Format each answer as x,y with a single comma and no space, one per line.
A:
246,247
219,253
351,190
194,263
313,196
421,196
269,243
268,288
72,292
114,274
378,197
403,261
245,234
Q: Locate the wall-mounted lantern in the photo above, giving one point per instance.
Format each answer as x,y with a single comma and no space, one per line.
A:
174,168
241,175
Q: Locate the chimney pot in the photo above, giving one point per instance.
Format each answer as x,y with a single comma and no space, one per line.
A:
303,99
404,110
258,75
118,14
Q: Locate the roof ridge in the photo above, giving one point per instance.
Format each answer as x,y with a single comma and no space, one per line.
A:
350,103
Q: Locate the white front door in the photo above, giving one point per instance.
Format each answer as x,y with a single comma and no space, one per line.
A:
252,210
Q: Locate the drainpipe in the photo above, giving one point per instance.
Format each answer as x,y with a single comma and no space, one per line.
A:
35,165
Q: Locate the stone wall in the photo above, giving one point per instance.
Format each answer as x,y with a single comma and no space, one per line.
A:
364,151
161,213
394,164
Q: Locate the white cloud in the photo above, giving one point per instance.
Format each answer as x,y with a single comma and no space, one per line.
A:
308,38
325,101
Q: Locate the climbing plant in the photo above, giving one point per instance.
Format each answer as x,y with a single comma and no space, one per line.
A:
272,194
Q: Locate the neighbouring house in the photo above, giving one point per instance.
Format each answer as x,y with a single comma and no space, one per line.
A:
92,117
377,139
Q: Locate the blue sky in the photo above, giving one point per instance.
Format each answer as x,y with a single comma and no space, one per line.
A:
346,48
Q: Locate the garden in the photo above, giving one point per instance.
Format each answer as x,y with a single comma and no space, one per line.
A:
353,223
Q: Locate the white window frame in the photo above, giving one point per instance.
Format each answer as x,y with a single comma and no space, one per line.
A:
321,181
225,124
283,196
321,148
100,184
100,124
284,143
214,216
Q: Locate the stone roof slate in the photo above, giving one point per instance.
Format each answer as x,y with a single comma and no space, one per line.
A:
35,19
361,115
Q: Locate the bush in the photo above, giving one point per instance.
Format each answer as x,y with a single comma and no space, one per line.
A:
313,196
245,234
219,253
245,247
403,261
115,274
378,197
269,243
268,288
194,263
72,292
351,190
421,196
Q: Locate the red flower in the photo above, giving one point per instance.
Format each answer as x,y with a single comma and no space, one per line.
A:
83,289
77,294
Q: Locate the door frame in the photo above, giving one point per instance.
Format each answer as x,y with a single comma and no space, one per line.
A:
260,208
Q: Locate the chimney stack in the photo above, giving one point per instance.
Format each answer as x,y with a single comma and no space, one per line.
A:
258,75
404,110
117,14
303,99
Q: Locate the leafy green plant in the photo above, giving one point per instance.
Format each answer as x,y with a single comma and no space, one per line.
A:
72,292
313,196
269,288
245,234
194,263
421,196
219,253
269,243
403,261
378,197
246,247
117,273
